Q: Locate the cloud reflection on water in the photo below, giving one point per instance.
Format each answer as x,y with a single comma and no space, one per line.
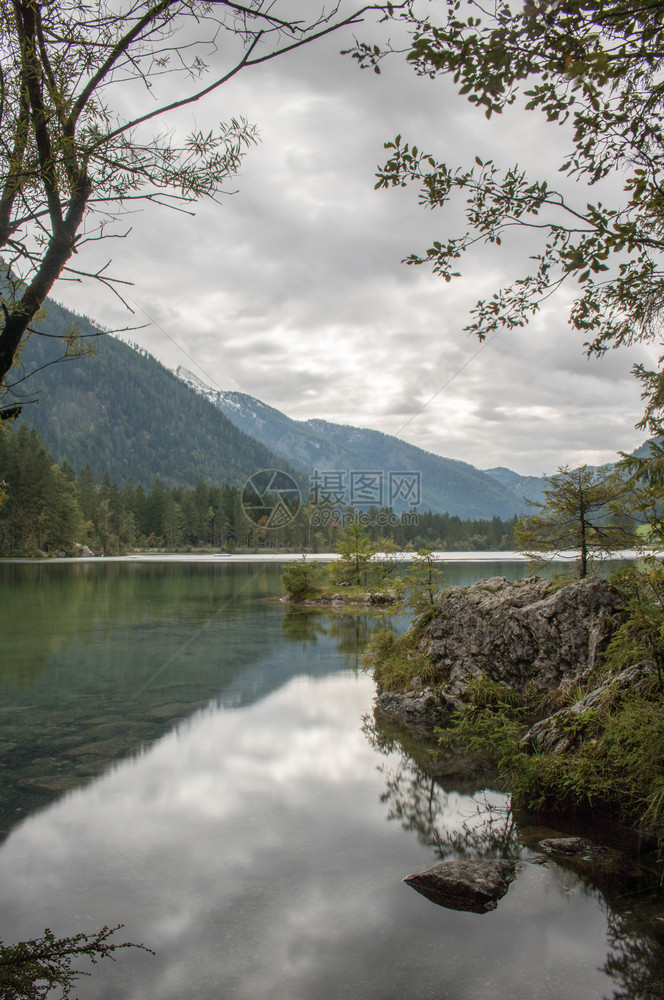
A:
249,848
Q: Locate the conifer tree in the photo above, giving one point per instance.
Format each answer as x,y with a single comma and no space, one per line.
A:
582,511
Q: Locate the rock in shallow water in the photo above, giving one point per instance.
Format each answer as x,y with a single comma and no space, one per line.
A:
473,886
420,708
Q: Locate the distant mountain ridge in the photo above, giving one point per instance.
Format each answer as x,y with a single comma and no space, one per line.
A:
447,485
526,487
127,415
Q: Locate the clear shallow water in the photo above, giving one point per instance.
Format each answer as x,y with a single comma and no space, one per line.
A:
183,754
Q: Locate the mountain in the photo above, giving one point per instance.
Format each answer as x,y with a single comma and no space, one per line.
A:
524,487
446,485
128,415
645,450
532,487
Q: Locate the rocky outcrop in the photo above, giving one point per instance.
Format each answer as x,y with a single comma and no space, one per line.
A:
473,886
559,732
518,633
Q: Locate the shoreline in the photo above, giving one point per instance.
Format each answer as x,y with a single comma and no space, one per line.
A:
284,557
543,686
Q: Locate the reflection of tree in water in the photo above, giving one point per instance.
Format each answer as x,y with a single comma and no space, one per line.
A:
352,633
418,798
45,608
630,896
635,961
301,626
349,630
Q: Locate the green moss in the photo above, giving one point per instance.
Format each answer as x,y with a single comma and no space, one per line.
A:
487,693
560,579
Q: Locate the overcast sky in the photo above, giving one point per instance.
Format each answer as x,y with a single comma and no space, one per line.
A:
293,290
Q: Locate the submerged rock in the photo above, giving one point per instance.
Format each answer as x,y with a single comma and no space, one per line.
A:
420,708
473,886
565,845
610,870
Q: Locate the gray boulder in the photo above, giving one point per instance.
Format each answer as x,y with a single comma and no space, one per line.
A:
473,886
516,633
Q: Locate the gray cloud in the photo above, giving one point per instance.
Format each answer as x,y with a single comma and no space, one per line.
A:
293,289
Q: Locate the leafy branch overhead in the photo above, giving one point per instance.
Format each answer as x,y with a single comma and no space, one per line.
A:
594,66
88,92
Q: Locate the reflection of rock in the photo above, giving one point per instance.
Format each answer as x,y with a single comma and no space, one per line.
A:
473,886
420,746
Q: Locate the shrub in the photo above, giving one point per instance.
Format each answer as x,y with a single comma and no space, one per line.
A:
301,580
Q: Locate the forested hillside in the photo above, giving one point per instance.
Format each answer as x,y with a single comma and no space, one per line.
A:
126,415
48,509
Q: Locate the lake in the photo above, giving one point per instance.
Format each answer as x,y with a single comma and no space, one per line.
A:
184,754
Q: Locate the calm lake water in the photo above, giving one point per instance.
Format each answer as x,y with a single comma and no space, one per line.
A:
183,754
